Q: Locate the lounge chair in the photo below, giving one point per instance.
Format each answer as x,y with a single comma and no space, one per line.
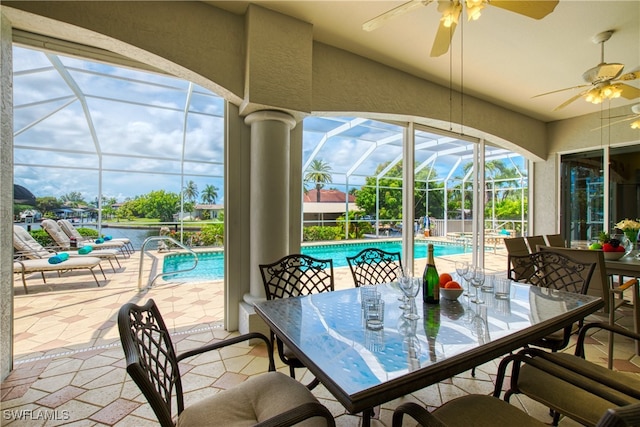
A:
27,247
42,265
64,242
72,232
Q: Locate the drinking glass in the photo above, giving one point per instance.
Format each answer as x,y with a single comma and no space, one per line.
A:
468,275
502,288
477,280
403,275
410,288
461,269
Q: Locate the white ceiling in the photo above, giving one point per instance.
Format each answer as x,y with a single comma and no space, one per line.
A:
503,57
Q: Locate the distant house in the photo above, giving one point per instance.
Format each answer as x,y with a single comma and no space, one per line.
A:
333,203
214,210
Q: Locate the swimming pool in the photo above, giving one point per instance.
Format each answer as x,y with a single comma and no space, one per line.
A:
211,264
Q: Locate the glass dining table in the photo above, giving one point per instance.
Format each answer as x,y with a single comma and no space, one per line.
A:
364,368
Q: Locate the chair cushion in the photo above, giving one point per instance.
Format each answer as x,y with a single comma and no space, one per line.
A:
570,400
255,400
37,265
483,411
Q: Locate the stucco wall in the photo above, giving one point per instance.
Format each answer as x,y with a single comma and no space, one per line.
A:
582,132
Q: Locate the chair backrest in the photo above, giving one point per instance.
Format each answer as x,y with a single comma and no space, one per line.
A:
519,266
68,228
556,270
533,241
373,266
150,357
56,233
295,275
26,245
556,240
516,246
599,285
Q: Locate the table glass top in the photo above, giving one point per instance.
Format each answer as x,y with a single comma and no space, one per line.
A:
329,328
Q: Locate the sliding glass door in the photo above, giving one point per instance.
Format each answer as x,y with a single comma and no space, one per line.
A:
587,206
582,196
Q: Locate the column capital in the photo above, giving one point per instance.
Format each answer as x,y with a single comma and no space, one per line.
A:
264,115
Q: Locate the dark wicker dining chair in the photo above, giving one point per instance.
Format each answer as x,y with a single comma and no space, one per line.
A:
558,271
374,266
292,276
270,399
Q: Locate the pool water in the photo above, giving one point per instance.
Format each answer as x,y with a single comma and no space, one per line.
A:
211,264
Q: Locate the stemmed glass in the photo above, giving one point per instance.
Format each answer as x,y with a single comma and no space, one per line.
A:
477,280
462,267
410,288
402,275
467,277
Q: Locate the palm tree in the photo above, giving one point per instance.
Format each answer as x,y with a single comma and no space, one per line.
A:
209,194
319,172
190,192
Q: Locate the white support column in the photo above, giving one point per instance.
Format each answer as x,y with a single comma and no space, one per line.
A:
269,194
408,185
6,198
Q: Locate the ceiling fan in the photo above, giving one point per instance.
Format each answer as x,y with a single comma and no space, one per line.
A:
452,9
604,81
635,116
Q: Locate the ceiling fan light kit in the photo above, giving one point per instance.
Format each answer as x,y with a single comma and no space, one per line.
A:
603,80
452,9
450,12
600,93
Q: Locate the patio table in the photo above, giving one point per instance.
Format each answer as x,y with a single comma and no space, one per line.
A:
364,368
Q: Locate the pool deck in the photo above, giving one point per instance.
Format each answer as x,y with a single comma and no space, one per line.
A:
68,355
70,313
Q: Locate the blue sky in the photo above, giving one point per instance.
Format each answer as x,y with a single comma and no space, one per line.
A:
68,110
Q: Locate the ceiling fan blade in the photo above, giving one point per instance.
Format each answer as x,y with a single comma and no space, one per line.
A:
569,101
379,20
532,9
443,40
633,116
630,76
629,92
560,90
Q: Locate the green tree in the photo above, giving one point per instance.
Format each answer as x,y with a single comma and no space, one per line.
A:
73,199
209,194
390,193
190,192
319,173
160,204
125,211
46,205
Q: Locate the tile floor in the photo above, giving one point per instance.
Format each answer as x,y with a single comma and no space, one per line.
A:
69,367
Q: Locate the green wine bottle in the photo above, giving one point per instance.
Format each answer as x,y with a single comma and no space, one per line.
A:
431,280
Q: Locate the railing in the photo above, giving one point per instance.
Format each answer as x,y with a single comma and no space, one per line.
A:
163,238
